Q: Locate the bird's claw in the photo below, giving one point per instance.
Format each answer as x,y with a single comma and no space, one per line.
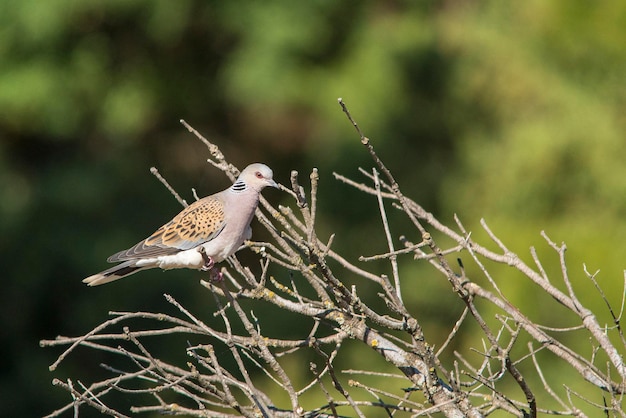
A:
216,275
208,261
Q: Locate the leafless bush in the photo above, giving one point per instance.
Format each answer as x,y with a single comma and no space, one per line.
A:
442,381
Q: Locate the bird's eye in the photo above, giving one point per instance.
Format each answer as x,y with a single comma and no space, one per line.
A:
258,175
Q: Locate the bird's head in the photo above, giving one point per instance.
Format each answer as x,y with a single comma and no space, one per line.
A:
257,176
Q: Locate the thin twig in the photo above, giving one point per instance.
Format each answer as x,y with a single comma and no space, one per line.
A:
158,175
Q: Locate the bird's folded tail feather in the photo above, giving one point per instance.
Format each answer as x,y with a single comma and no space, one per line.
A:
114,273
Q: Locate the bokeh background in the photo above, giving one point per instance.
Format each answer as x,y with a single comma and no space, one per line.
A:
511,111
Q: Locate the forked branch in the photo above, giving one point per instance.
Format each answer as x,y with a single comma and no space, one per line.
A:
251,375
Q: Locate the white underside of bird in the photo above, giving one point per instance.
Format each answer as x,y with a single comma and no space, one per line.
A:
218,249
203,234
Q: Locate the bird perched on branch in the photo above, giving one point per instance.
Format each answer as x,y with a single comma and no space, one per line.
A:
205,233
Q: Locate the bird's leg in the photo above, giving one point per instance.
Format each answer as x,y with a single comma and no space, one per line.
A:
215,273
208,261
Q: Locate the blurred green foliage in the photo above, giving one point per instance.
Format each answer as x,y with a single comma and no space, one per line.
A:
511,111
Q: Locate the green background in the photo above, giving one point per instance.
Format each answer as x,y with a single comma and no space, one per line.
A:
511,111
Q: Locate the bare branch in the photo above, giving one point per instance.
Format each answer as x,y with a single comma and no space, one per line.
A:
238,367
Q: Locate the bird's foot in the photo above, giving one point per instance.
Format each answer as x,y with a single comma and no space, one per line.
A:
216,275
208,261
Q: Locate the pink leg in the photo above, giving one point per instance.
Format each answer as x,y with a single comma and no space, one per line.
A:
208,261
215,273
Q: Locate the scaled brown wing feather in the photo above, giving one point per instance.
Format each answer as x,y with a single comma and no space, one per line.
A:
198,223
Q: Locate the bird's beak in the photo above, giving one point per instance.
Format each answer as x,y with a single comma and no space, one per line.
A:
272,183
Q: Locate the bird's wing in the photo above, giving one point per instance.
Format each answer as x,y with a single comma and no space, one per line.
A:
198,223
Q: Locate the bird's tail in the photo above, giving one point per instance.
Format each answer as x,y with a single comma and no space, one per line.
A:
114,273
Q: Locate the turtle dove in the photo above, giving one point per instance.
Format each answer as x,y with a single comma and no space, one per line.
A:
205,233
